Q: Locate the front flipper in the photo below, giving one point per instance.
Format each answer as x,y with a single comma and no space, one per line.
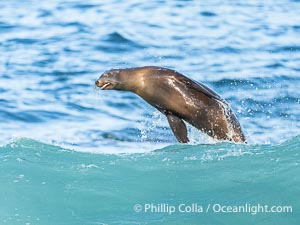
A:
178,127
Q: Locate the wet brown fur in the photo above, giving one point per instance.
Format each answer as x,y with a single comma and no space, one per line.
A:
178,97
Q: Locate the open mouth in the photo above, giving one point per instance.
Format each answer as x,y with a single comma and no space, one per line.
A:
105,85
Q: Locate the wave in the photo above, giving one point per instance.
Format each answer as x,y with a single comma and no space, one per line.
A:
208,14
254,81
115,42
47,184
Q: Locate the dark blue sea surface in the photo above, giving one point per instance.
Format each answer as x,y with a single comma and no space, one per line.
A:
53,119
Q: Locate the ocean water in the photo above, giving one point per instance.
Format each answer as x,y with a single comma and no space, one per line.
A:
72,154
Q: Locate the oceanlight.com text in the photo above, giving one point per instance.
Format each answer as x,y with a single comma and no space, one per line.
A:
170,209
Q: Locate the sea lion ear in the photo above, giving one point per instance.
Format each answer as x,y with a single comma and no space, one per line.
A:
178,127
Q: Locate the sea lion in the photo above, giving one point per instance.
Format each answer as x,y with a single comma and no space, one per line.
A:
179,98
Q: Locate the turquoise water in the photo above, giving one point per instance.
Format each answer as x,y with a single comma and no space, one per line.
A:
45,184
72,154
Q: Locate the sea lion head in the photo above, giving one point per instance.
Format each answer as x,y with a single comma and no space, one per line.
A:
110,80
121,79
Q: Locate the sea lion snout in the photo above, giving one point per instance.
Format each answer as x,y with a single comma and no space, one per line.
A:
103,83
108,80
97,83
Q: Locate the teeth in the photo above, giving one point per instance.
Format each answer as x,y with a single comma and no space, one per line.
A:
104,86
